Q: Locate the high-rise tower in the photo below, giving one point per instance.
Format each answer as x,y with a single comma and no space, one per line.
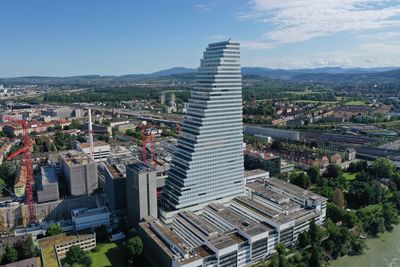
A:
207,165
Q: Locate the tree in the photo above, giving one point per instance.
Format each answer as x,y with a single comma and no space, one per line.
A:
134,248
54,229
76,256
26,249
390,215
314,174
316,258
383,167
7,171
10,254
333,212
300,179
338,198
349,219
333,171
2,183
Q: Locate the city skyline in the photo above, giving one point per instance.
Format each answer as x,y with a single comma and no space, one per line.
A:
99,37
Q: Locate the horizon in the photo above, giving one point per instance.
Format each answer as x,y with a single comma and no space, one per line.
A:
70,38
194,68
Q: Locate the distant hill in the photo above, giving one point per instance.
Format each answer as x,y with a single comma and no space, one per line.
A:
187,75
172,71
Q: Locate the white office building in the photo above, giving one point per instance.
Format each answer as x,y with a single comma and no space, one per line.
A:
207,165
90,218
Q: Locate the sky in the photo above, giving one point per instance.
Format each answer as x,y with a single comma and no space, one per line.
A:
115,37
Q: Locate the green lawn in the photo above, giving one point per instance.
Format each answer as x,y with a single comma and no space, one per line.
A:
110,254
355,103
349,176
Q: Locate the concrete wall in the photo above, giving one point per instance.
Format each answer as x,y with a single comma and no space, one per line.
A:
61,209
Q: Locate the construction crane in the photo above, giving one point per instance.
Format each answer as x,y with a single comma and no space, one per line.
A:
147,138
26,152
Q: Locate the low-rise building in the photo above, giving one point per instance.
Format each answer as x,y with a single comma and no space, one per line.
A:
240,234
90,218
55,248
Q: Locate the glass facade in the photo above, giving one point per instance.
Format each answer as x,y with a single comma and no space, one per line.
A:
208,164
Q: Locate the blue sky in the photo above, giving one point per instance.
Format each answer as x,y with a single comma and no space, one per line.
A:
76,37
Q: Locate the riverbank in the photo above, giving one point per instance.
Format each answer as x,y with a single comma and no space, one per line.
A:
383,251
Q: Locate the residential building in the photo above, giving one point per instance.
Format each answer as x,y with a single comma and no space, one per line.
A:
141,188
350,154
58,112
80,173
207,165
20,181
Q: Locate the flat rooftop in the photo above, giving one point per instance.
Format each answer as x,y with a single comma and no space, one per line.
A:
95,144
84,212
170,242
74,157
139,166
48,175
292,189
237,220
267,192
255,172
117,170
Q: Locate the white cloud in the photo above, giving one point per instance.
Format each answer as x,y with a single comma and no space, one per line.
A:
380,36
202,8
293,21
363,55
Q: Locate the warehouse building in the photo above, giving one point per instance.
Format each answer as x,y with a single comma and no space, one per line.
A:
270,132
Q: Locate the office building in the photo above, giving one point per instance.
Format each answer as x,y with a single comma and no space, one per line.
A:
80,173
240,234
115,186
271,164
141,188
207,165
101,150
47,184
85,218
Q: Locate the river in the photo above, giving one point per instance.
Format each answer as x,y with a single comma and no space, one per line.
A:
383,251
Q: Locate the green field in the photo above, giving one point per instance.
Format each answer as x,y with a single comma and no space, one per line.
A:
110,254
314,101
349,176
355,103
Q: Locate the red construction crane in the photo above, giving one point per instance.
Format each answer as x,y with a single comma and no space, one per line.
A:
147,138
26,166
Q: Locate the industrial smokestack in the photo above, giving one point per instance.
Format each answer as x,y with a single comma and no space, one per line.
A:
90,130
